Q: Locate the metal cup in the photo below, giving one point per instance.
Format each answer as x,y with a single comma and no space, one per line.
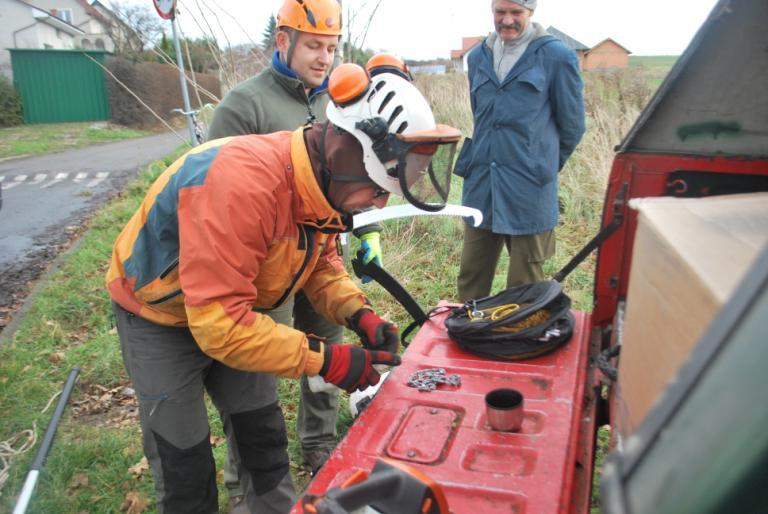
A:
504,409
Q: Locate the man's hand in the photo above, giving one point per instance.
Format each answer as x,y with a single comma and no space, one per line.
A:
374,332
351,368
370,243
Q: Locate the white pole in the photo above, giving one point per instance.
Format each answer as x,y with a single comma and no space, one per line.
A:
45,445
182,78
26,492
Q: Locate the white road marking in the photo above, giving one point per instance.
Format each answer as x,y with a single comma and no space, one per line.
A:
39,178
60,177
18,179
100,176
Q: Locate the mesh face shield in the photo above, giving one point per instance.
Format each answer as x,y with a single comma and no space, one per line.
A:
424,173
422,162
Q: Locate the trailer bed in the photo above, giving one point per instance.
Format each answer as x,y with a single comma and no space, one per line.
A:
544,468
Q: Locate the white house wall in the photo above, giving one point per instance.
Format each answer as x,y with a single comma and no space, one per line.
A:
50,37
78,12
20,29
93,28
13,16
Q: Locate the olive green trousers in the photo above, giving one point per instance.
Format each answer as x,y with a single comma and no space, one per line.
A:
480,255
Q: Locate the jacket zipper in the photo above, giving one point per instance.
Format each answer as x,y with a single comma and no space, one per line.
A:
164,274
170,268
165,298
306,240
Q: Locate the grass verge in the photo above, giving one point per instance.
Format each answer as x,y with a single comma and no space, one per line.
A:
27,140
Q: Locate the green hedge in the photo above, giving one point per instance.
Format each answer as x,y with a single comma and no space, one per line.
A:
10,104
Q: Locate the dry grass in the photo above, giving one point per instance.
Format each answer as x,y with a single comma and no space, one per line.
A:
424,253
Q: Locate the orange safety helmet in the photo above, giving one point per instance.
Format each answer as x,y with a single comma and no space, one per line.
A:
314,16
388,63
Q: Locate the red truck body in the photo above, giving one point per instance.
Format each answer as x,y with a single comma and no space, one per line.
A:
545,467
703,133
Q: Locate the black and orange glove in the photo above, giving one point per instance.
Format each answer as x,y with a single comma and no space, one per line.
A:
374,332
351,368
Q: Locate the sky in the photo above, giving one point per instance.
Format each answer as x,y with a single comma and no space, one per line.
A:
427,29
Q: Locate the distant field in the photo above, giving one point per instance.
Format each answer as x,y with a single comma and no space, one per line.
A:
653,61
656,66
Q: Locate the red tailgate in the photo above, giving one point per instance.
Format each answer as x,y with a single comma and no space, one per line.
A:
444,434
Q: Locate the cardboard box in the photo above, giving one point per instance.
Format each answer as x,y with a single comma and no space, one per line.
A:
688,258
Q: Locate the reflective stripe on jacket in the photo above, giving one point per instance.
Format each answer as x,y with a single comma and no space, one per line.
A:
234,225
525,128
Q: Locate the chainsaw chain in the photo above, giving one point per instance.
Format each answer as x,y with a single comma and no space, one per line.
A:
428,379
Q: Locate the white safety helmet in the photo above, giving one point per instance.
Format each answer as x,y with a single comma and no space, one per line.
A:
405,152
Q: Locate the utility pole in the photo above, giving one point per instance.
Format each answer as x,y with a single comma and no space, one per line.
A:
183,80
166,9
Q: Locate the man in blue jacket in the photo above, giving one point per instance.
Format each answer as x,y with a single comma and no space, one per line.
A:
528,108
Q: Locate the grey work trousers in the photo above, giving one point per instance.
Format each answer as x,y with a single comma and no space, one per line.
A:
170,373
317,414
480,256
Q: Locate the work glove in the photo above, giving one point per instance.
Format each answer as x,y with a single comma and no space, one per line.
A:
370,244
374,332
351,368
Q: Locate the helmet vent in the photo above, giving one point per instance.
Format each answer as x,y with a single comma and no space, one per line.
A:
386,100
310,15
395,114
375,90
402,127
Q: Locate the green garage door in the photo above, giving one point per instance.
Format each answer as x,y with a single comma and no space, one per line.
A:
60,85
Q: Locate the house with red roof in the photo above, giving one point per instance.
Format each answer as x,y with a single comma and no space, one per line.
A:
459,57
604,55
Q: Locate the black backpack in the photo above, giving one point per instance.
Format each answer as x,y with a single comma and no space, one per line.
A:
519,323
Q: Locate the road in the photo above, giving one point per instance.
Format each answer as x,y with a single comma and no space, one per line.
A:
47,199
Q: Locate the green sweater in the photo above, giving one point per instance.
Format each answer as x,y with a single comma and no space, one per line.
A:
268,102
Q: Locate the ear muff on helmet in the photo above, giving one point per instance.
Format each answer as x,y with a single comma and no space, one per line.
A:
314,16
348,83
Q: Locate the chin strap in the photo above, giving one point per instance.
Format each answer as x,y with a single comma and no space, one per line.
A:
293,36
326,177
325,173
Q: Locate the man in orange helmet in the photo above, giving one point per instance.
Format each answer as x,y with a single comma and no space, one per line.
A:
228,234
289,93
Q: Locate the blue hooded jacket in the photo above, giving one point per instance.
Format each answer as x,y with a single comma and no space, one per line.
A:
526,127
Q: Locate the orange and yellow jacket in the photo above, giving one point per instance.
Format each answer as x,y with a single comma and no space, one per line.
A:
234,227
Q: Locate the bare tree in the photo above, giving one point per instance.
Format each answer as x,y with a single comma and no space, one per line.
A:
133,28
236,62
358,22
